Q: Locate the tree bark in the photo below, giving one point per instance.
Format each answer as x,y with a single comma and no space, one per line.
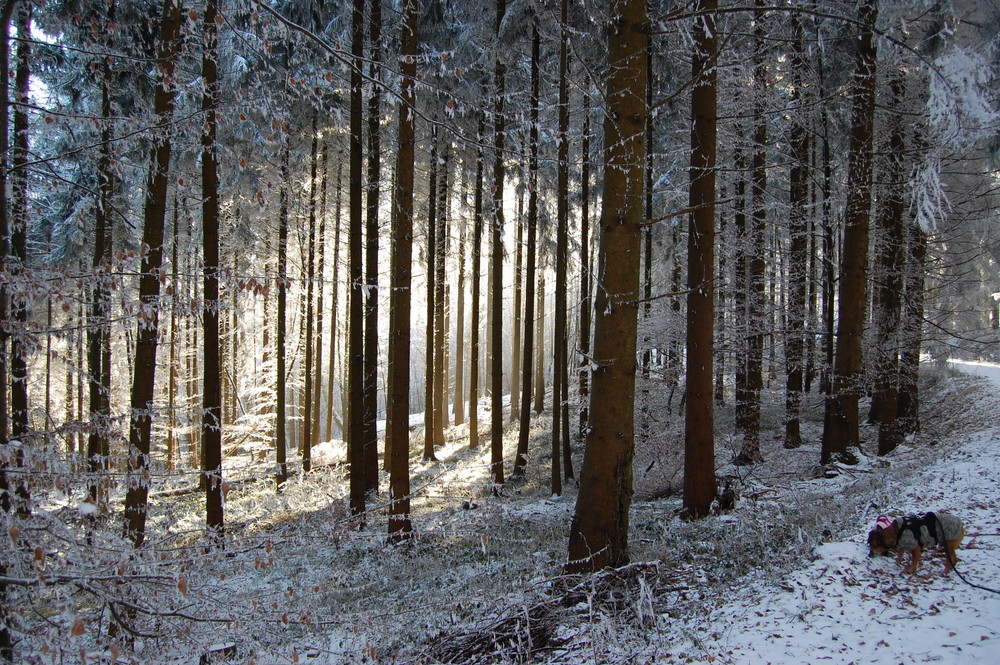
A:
840,431
560,392
750,424
355,342
699,421
211,424
477,244
527,359
430,347
496,265
371,250
311,364
586,302
281,388
147,333
889,276
397,425
20,419
798,251
599,528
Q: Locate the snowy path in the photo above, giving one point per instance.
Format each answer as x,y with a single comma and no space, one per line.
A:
847,608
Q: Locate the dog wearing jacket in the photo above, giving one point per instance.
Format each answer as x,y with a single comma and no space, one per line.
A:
914,533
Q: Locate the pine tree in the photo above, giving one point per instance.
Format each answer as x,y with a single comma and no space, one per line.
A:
147,334
599,528
699,419
840,431
355,343
212,390
397,427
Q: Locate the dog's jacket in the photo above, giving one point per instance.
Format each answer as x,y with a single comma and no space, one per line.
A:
929,530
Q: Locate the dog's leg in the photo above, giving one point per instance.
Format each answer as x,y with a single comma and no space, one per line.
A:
951,556
914,561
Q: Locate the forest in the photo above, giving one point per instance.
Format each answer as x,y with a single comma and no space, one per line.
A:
335,275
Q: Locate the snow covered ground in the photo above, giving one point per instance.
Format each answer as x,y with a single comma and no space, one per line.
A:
844,607
482,582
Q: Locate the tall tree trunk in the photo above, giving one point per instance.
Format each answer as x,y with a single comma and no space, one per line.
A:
281,388
371,250
496,264
750,425
310,312
515,347
586,304
356,367
317,392
840,431
430,347
599,528
459,399
798,251
397,427
889,275
521,458
19,408
908,407
477,245
334,305
540,345
440,281
699,421
6,13
211,424
99,319
559,388
148,328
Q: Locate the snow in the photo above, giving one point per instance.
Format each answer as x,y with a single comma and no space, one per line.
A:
843,607
754,585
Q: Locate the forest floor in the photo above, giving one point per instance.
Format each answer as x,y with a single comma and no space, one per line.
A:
481,581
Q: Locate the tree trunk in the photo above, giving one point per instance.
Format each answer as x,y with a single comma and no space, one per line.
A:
889,276
599,528
440,280
515,347
477,244
798,251
6,12
20,417
540,346
430,348
334,308
908,407
99,319
699,422
496,265
840,431
750,425
355,342
147,334
397,425
586,304
211,424
310,305
559,388
317,391
521,457
371,251
459,399
281,388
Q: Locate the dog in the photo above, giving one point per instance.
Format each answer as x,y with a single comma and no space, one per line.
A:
914,533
